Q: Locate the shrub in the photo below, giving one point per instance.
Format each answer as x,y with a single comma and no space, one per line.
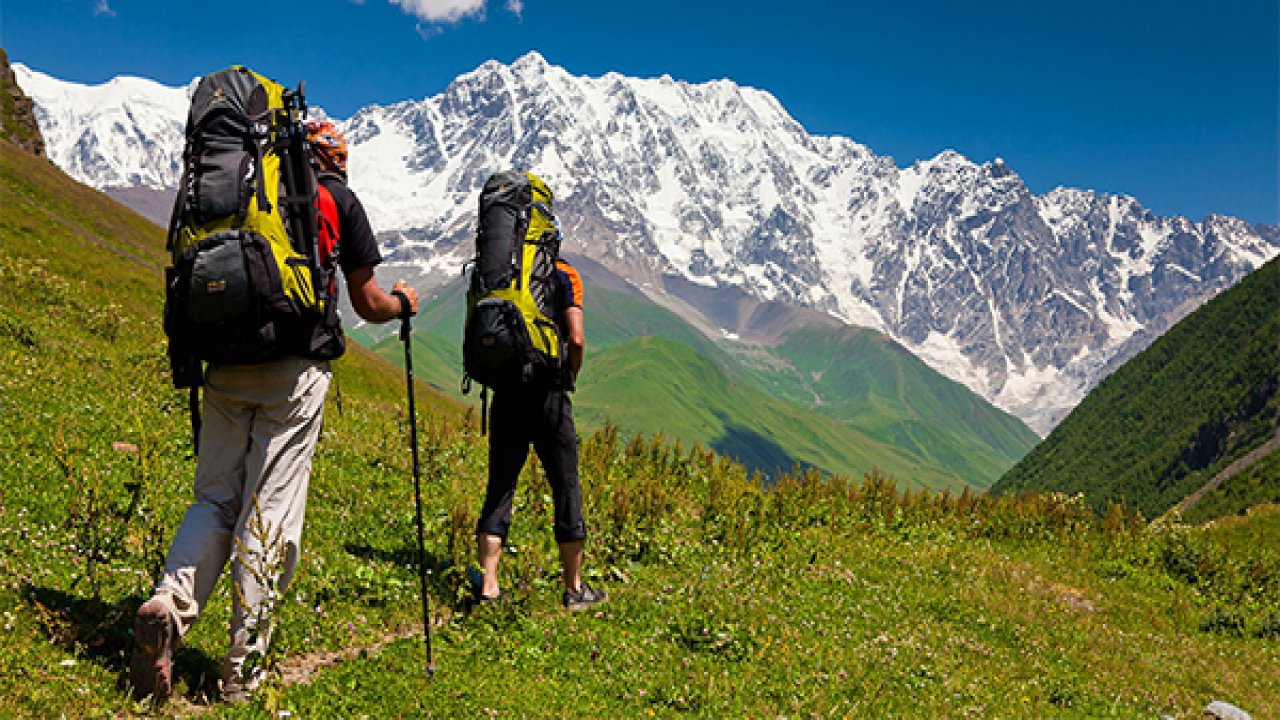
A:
1224,621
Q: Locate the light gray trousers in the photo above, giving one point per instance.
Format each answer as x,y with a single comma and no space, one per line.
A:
261,425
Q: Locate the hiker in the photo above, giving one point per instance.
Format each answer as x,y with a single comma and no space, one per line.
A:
259,433
537,412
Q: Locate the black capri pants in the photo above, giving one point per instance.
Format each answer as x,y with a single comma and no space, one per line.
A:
544,419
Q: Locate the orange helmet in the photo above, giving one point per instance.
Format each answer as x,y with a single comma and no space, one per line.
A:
328,147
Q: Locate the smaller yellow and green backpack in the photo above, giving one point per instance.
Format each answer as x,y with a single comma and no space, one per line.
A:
510,339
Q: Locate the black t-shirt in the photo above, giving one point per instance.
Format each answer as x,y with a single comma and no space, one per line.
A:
357,247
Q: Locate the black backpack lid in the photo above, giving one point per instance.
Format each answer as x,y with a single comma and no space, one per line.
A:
234,90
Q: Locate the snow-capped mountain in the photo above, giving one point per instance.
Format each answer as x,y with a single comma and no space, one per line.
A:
127,132
1028,300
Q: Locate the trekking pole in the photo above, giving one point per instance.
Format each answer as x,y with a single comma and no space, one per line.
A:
405,329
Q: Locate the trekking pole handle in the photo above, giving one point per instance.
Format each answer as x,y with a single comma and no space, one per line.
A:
406,312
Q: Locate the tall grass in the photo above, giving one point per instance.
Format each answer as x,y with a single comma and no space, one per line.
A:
710,567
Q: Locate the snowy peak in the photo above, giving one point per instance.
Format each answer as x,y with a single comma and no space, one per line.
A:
1028,300
115,94
531,63
126,132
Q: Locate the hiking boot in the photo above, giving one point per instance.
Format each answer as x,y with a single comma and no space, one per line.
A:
151,669
234,693
584,597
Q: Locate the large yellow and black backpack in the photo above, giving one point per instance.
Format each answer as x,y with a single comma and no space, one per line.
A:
246,284
510,339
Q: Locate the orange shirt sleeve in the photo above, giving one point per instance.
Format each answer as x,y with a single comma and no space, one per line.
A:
575,282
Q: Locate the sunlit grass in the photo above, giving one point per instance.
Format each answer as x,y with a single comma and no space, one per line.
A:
813,597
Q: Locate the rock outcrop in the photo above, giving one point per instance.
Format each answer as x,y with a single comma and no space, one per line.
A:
17,116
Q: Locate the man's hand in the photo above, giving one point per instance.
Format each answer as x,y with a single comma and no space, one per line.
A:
412,295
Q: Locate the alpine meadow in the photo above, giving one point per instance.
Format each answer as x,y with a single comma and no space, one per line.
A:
774,557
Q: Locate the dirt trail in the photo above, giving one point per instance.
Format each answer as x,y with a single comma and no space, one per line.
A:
1238,466
85,234
301,669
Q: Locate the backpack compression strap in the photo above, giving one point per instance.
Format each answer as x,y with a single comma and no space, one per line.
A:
193,405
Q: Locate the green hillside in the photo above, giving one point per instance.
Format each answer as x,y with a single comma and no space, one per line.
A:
618,317
839,399
1259,484
808,598
653,385
877,386
1164,424
613,318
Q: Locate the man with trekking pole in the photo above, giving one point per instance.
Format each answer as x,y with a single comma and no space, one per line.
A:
264,385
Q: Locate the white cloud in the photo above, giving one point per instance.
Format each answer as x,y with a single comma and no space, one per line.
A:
442,11
103,7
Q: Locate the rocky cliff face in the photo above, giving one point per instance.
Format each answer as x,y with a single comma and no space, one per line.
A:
17,118
1027,299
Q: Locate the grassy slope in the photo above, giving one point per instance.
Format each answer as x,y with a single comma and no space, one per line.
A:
701,403
896,413
1167,421
875,385
728,600
612,318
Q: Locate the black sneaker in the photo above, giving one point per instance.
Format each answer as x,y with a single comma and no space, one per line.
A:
584,597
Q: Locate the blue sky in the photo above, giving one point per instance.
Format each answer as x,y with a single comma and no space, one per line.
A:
1174,102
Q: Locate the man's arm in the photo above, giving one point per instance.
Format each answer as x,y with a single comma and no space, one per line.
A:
371,302
358,254
576,338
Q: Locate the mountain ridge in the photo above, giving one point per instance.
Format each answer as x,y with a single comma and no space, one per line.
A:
17,118
1027,299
